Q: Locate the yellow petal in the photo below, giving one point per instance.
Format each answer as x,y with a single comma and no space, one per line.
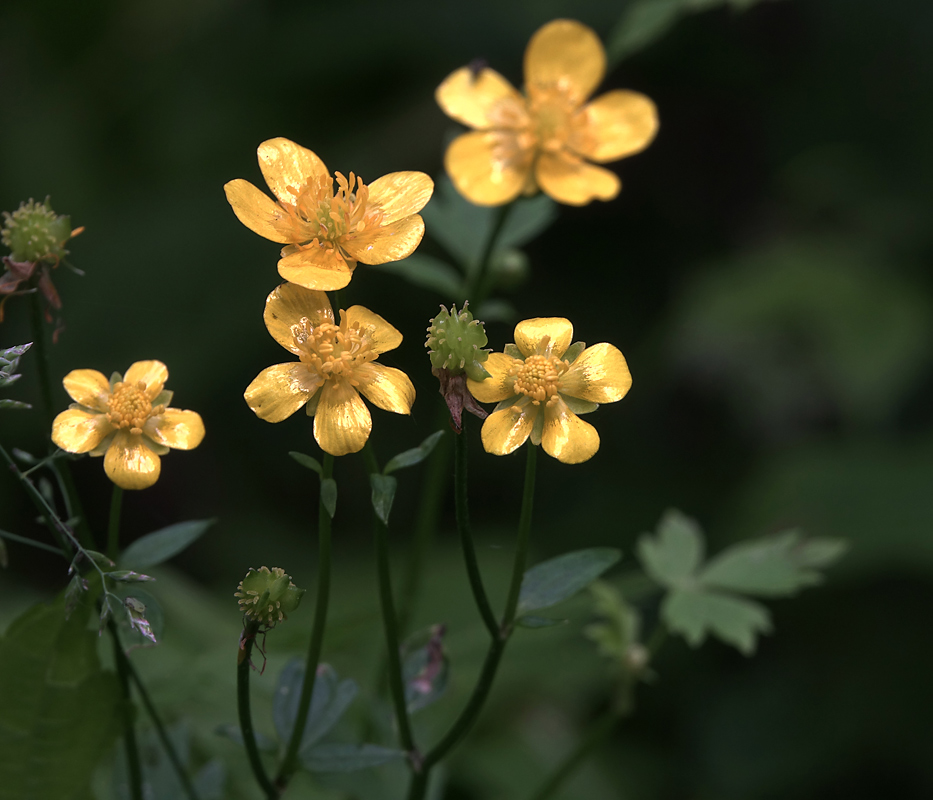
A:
287,304
568,179
566,437
384,337
400,194
385,387
89,388
488,169
566,54
280,390
317,267
152,373
506,430
176,428
530,333
599,375
130,464
342,423
287,167
259,212
481,99
498,386
78,431
385,243
615,125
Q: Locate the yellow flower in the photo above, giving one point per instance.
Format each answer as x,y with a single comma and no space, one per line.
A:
335,364
546,137
541,383
325,232
125,420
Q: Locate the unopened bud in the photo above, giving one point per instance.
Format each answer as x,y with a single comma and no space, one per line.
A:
35,233
456,341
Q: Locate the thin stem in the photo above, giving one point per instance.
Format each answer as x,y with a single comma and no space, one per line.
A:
113,528
524,535
129,732
32,543
246,720
479,286
38,333
290,762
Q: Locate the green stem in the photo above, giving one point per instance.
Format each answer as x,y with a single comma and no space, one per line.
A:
129,732
113,528
480,285
246,720
290,762
524,536
32,543
42,353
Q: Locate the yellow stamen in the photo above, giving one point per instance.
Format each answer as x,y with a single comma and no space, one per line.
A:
130,407
334,351
538,378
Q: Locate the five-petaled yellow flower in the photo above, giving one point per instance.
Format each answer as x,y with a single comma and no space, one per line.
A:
126,421
336,362
326,232
546,137
541,383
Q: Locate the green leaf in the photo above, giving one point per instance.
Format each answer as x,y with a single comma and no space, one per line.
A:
11,353
461,227
694,614
231,731
329,701
348,757
550,582
210,781
641,23
539,622
97,558
528,218
128,576
428,273
307,461
161,545
329,496
6,403
674,554
416,455
383,495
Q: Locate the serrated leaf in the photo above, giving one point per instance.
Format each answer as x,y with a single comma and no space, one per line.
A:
307,461
161,545
348,757
231,731
539,622
547,584
695,614
329,701
383,495
428,272
329,496
127,576
673,555
416,455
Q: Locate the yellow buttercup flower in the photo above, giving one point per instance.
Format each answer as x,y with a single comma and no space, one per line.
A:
326,231
336,363
542,383
126,421
547,137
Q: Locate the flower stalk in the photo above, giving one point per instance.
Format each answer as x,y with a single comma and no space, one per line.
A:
113,528
129,732
244,666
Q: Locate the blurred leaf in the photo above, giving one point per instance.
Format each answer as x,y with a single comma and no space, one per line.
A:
329,496
461,227
6,403
672,557
307,461
4,554
128,576
694,614
620,627
330,699
430,273
231,731
348,757
76,587
97,558
161,545
529,217
539,622
210,781
383,495
426,669
416,455
550,582
141,622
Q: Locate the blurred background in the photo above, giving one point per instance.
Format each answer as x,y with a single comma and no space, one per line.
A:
766,271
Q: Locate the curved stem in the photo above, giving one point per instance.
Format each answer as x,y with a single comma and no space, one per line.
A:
246,720
129,732
113,528
524,536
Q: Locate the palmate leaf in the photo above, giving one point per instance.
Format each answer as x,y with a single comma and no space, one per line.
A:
733,620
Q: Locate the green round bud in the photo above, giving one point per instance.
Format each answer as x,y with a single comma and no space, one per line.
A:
455,342
268,595
34,233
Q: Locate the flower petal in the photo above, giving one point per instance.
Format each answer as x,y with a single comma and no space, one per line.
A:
317,267
130,464
384,337
89,388
566,437
176,428
570,180
400,194
280,390
488,169
498,386
530,333
342,423
481,99
152,373
385,243
599,375
566,54
386,388
506,430
79,431
287,304
259,212
287,167
615,125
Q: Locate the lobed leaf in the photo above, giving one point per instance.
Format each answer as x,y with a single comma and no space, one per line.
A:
695,613
329,701
673,555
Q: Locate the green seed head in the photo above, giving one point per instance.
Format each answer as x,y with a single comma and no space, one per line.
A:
268,595
34,233
455,342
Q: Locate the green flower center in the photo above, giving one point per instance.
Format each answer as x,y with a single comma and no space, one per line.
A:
322,215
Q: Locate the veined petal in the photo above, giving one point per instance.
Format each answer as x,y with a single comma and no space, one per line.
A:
571,180
287,167
488,168
566,437
498,386
400,194
79,431
616,124
316,267
481,99
385,243
530,333
176,428
89,388
259,212
599,375
386,387
152,373
384,337
566,54
129,463
506,430
280,390
342,423
287,304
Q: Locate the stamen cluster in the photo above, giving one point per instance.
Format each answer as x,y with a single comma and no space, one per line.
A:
334,351
130,407
538,378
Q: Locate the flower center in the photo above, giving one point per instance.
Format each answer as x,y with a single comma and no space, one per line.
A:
334,351
538,378
322,215
130,407
551,109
